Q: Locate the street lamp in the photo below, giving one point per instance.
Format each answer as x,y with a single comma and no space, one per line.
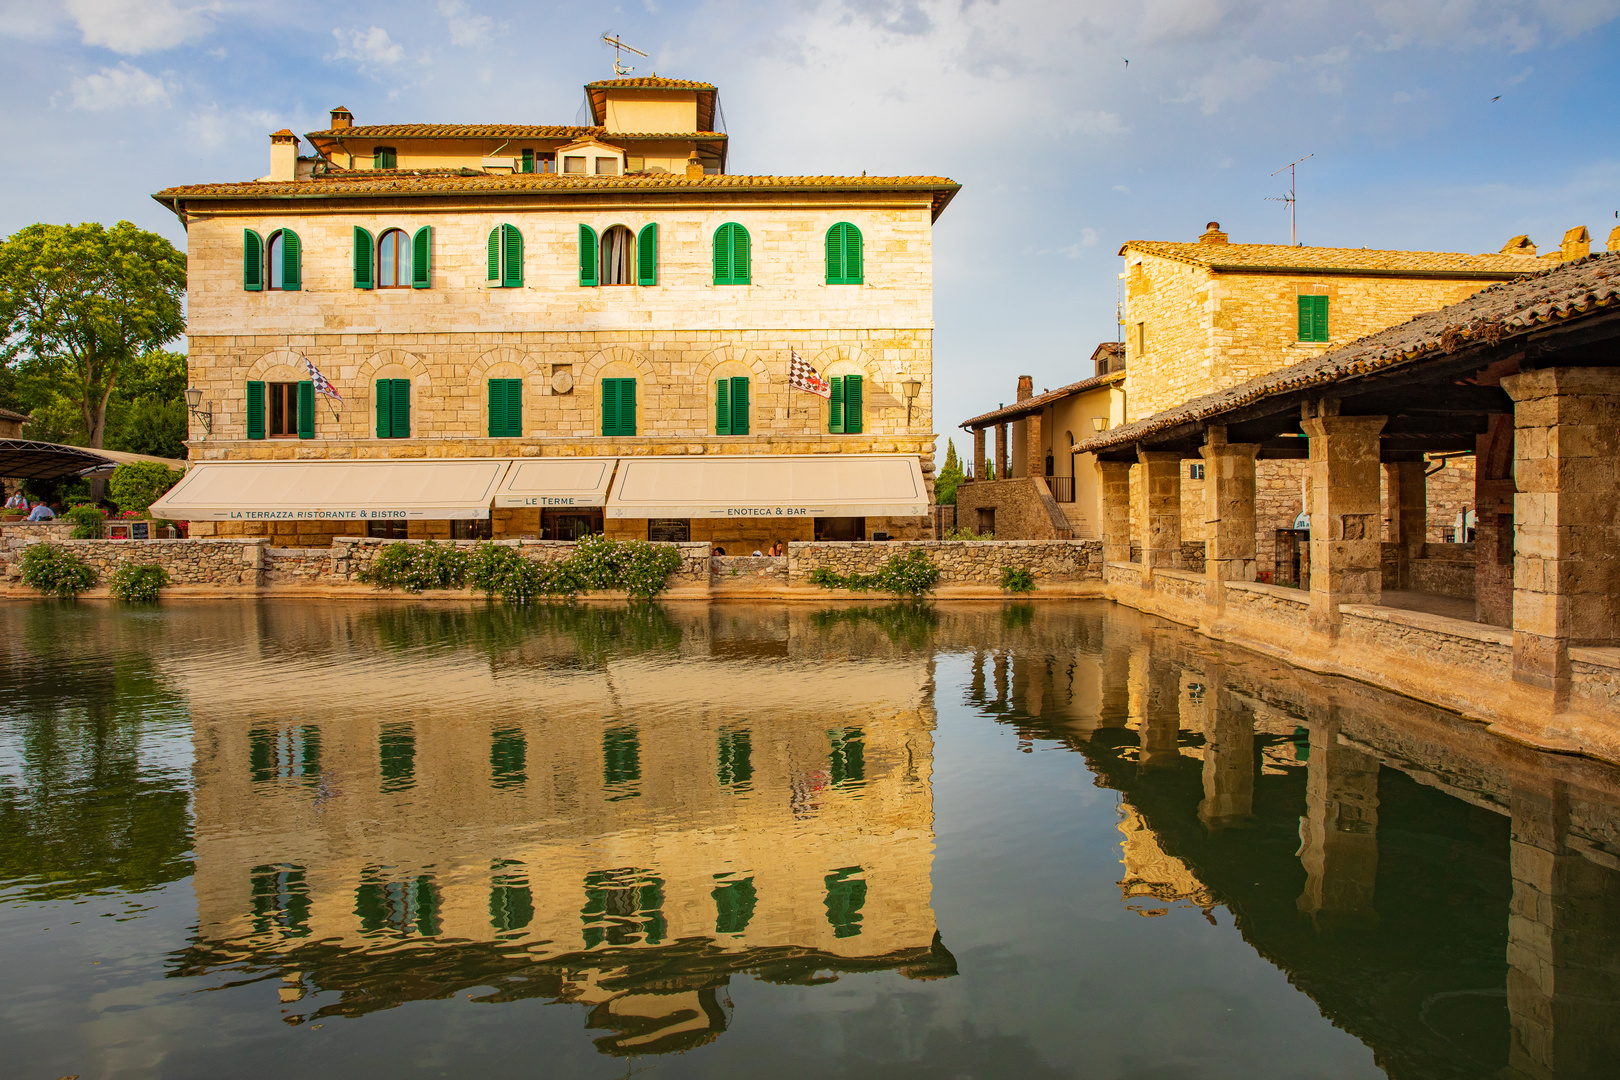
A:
204,416
911,387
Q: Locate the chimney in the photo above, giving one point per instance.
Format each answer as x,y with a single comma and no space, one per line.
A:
1614,238
1519,245
694,167
1577,244
1026,387
283,156
1212,234
342,118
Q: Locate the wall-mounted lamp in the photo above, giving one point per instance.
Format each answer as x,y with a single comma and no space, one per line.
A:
911,388
204,416
1099,424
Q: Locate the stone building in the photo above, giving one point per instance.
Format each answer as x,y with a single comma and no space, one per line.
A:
553,330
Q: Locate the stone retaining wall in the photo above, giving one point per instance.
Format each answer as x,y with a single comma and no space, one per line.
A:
747,571
960,562
188,562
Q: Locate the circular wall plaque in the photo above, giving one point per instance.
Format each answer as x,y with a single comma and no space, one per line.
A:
562,381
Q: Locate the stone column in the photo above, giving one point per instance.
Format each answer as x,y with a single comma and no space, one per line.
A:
1408,513
1229,501
1114,484
1493,543
1566,578
1159,523
1339,833
1346,515
977,472
1034,449
1228,755
1002,471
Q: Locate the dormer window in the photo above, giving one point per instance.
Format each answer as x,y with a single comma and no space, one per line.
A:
384,157
607,166
574,164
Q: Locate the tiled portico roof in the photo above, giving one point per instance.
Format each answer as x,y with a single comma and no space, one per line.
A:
1040,401
1285,259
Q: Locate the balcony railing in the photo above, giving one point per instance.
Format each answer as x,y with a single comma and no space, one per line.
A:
1062,488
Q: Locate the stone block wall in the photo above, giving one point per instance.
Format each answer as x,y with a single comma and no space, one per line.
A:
1021,513
188,562
746,571
960,562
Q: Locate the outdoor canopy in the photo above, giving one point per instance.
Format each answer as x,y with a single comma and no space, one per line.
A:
551,482
818,485
435,489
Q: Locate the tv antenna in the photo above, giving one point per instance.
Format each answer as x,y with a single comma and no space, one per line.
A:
612,41
1293,231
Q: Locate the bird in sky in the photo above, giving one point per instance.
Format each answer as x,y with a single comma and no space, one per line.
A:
1498,97
1127,62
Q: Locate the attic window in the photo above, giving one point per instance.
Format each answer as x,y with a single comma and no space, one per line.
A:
384,157
573,164
607,166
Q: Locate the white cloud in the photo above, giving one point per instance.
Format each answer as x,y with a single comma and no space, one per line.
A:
1520,77
1228,83
1121,188
370,47
466,29
1088,237
1095,122
208,126
120,87
140,26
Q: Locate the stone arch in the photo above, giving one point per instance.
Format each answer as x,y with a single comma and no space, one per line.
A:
504,363
506,358
729,361
390,364
619,362
845,359
276,362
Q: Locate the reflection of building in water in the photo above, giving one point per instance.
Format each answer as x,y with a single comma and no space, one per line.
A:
1151,873
623,835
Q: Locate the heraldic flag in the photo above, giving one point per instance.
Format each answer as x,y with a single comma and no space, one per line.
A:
801,376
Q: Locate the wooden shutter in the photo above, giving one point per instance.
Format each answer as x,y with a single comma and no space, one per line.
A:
627,406
528,161
722,255
422,258
835,406
506,408
400,422
306,409
252,261
647,255
292,274
852,404
722,406
497,408
365,259
255,410
835,254
587,256
1305,320
739,405
1320,317
494,277
512,257
618,407
739,255
385,408
854,271
610,406
514,408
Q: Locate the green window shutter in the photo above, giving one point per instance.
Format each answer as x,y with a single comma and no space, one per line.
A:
494,277
422,258
739,405
1305,320
365,260
306,409
255,410
587,257
854,271
722,255
385,408
722,407
627,406
852,404
835,255
384,157
400,421
528,161
1321,317
497,408
835,406
739,256
619,407
292,275
512,252
506,408
647,255
252,261
610,406
1313,318
514,408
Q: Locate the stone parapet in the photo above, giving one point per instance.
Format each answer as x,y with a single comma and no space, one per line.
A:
960,562
231,563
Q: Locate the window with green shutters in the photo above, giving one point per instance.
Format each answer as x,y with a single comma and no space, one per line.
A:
846,895
393,408
731,264
511,903
844,255
528,162
283,262
396,757
618,407
505,408
255,410
365,259
733,904
647,255
505,257
1313,318
731,406
252,261
422,258
587,257
734,764
384,157
508,753
844,412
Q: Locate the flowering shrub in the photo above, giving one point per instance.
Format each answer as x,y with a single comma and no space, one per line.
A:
86,520
52,570
1017,579
634,566
138,584
415,567
911,574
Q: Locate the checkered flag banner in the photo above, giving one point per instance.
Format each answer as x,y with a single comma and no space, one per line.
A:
321,385
801,376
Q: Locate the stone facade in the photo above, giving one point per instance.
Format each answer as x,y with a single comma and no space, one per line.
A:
1018,509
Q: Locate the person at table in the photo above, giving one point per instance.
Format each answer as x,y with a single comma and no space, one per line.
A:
18,501
41,513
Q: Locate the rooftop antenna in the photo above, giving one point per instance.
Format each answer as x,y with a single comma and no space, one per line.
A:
612,41
1293,231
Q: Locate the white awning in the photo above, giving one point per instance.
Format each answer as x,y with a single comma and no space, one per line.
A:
552,482
257,491
808,485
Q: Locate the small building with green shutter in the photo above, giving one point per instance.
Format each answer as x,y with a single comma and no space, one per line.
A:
595,294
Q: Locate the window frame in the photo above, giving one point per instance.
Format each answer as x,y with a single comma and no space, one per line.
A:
632,265
841,232
404,268
384,157
1313,328
281,402
619,431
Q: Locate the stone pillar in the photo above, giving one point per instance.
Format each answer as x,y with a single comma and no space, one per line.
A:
1346,515
1034,448
1002,471
1339,833
977,472
1114,484
1228,756
1159,523
1408,513
1493,542
1566,578
1229,511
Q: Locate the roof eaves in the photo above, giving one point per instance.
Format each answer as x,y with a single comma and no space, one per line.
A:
1040,401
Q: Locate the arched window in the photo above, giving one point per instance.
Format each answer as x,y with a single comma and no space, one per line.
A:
283,270
618,249
844,262
506,257
731,263
393,260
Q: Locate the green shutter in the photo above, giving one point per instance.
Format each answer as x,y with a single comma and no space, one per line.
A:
400,421
587,256
627,407
255,410
852,404
610,406
497,408
739,405
306,409
384,157
731,255
494,277
422,258
385,408
722,407
528,161
739,256
647,255
835,406
512,250
1313,318
1321,305
618,407
835,254
365,261
506,408
1304,304
854,270
252,261
514,408
722,255
292,276
844,254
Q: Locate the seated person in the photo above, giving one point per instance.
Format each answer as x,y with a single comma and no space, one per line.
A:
42,513
719,551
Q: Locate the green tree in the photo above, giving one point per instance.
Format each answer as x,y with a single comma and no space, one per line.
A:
137,485
79,303
949,478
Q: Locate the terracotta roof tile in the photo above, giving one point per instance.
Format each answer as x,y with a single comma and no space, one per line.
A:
456,131
1040,401
1568,291
652,82
467,181
1282,258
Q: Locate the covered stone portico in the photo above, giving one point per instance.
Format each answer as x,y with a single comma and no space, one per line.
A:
1524,375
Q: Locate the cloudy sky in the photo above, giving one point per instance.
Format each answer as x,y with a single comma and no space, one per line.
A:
1064,150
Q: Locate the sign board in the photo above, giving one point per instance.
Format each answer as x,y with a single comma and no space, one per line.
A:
140,530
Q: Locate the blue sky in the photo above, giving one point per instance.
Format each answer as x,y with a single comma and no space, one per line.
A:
1064,150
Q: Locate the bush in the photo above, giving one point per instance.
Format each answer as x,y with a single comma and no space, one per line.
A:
1016,579
137,485
52,570
138,584
634,566
415,567
965,533
87,519
489,565
911,574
